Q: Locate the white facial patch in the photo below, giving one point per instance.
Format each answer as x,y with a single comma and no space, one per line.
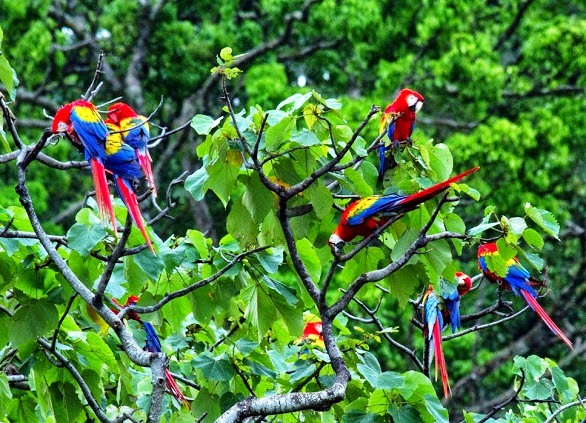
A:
335,239
411,100
62,127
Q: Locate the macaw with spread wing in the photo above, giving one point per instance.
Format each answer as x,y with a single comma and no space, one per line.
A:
81,121
121,162
153,344
519,280
439,311
398,121
364,216
135,133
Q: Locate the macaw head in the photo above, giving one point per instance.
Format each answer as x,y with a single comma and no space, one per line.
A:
336,244
411,99
119,111
62,119
487,249
312,332
464,283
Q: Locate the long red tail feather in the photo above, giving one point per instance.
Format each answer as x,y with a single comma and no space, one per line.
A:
174,388
426,194
440,360
145,163
545,317
131,202
103,193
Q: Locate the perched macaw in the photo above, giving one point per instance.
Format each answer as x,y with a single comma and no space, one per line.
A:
363,216
81,121
398,121
136,133
312,333
520,282
440,311
153,344
122,163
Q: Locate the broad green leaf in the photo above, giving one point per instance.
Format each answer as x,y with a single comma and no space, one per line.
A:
533,238
361,188
195,183
404,413
270,259
305,138
150,264
297,100
481,228
369,368
279,133
214,368
435,408
320,197
32,321
83,238
544,219
257,199
204,124
309,258
8,77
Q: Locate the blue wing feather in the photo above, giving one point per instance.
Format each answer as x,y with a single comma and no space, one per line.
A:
383,205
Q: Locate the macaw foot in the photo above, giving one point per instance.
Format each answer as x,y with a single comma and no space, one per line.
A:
409,142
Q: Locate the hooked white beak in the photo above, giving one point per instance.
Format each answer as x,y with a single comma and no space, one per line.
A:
336,244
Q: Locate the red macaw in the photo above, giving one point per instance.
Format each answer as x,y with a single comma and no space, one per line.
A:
81,121
121,162
312,333
399,121
136,133
520,282
153,344
363,216
440,311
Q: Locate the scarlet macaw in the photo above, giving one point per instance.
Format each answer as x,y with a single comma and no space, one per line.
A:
399,121
121,162
81,121
363,216
153,344
519,280
440,311
312,333
136,133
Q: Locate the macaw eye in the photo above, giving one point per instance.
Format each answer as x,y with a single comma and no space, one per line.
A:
411,100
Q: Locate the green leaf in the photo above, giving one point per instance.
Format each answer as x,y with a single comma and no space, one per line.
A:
150,264
3,139
435,408
361,187
257,199
226,54
369,368
305,138
214,368
83,238
297,99
32,321
8,77
544,219
533,238
195,183
270,259
310,258
404,413
279,133
481,228
320,197
204,124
